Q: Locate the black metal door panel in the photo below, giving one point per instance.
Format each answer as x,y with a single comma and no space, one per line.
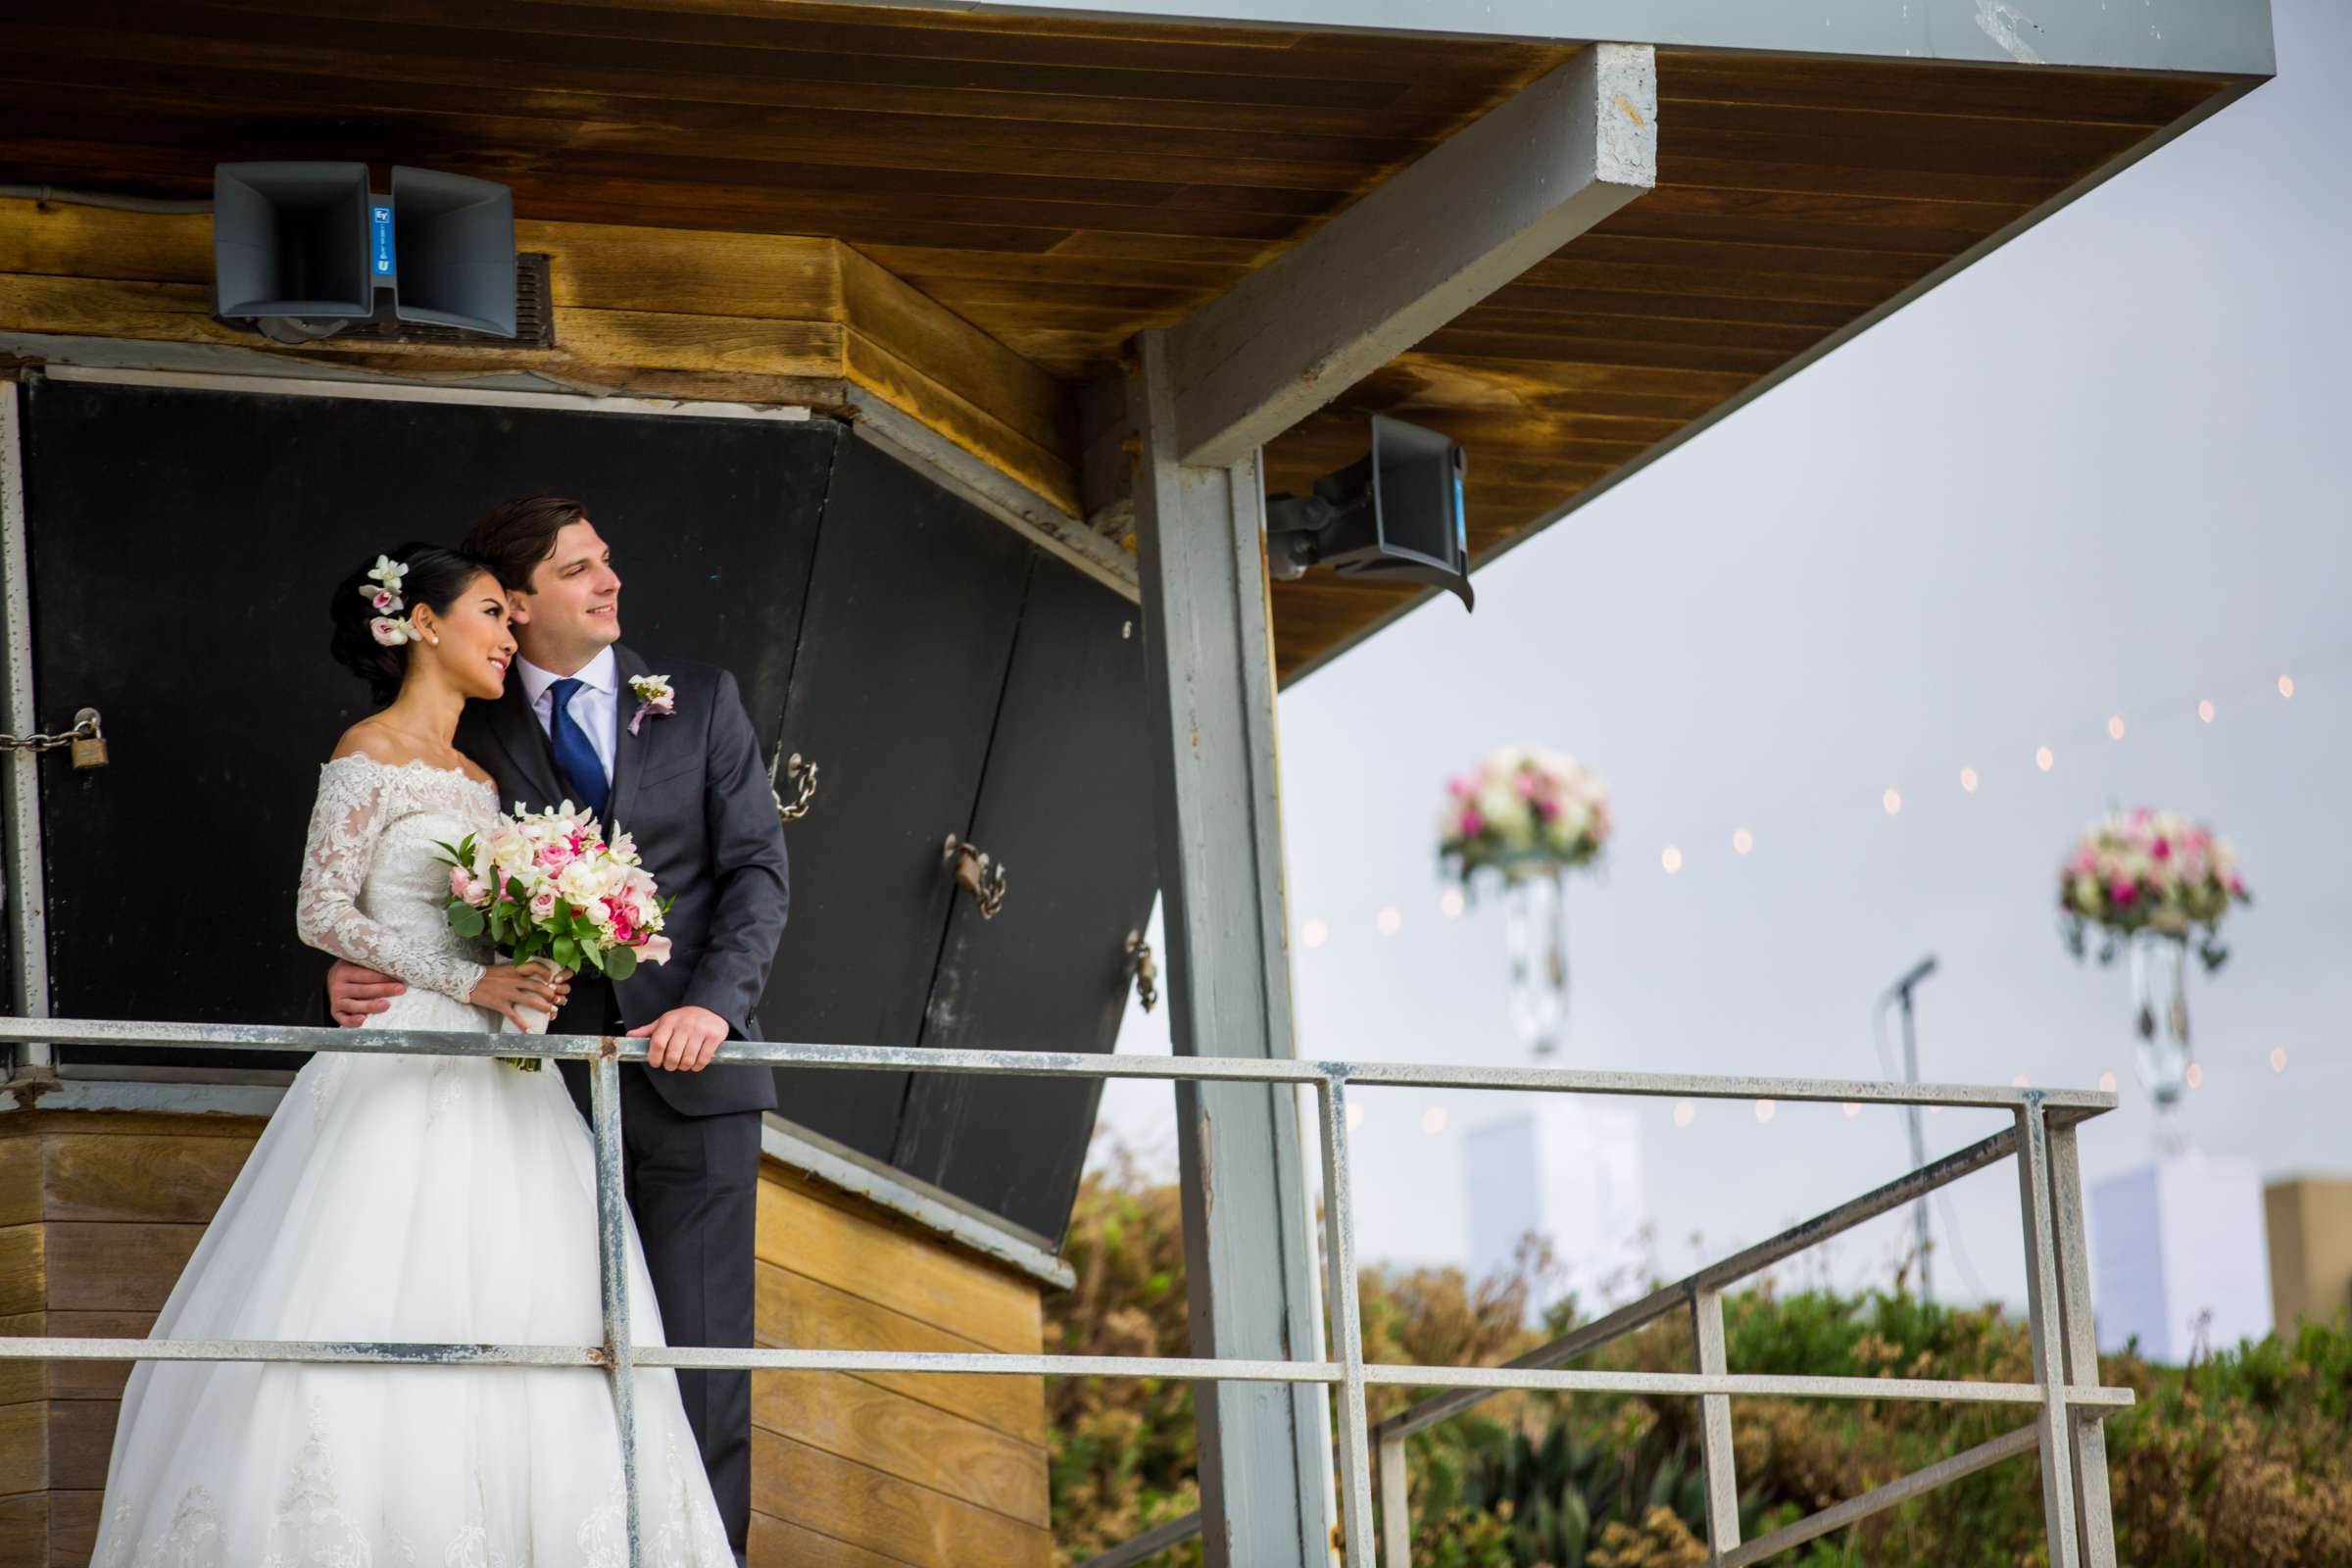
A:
183,547
1066,804
893,693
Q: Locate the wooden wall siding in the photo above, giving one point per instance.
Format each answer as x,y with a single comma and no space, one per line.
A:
99,1213
669,313
1060,182
884,1468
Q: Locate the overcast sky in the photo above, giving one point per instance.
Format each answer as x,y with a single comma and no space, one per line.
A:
2104,470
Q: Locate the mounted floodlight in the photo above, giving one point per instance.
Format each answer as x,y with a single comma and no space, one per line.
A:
1396,513
301,250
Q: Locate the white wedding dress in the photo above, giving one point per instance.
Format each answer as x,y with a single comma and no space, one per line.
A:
402,1198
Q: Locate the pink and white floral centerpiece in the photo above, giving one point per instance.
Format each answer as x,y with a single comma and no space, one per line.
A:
2146,870
2153,882
1523,811
549,885
1529,817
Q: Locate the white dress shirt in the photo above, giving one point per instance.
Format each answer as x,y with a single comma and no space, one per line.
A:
594,707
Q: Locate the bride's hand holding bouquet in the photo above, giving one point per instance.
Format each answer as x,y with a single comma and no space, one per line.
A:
550,890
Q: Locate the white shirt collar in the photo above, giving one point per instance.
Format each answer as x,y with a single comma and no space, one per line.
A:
601,674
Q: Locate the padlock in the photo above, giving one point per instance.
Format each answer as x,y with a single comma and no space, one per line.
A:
89,750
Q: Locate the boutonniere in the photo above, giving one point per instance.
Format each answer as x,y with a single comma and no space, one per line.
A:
654,697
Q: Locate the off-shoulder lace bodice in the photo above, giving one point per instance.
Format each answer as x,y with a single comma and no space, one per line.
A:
374,889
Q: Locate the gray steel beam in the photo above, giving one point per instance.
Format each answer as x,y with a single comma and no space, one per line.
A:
27,896
1477,210
1208,659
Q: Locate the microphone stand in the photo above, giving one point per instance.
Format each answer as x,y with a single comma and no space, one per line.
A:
1900,994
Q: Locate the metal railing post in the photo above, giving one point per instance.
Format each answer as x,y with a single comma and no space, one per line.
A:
1347,1333
1396,1505
612,1265
1715,1426
2044,1314
2095,1512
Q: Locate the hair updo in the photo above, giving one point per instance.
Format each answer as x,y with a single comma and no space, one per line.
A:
436,578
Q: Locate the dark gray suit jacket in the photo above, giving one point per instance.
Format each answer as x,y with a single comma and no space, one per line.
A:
692,791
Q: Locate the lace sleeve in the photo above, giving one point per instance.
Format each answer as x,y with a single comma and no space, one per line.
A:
357,800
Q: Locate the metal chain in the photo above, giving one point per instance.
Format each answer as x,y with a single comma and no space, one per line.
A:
86,730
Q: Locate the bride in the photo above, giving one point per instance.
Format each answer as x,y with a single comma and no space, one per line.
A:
405,1199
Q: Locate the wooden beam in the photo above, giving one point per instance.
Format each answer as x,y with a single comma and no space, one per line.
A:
1471,215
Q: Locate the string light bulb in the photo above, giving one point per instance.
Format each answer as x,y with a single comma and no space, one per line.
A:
2278,1058
1968,779
2044,759
1742,841
1671,858
1765,1109
1390,920
2205,709
2114,726
2106,1083
1685,1114
2286,686
1892,800
1450,904
1314,933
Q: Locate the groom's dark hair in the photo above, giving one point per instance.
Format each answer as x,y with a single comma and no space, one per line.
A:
518,535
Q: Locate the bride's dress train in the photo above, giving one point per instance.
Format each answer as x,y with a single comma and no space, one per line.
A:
406,1199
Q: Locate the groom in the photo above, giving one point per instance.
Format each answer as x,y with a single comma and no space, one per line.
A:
687,784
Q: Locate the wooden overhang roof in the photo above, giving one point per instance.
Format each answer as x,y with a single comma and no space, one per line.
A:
1060,182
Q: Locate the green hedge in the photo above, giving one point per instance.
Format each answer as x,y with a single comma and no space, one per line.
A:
2245,1459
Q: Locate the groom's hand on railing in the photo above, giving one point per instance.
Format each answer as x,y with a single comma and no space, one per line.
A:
353,991
683,1039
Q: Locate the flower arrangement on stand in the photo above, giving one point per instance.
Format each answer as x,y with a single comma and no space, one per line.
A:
2152,883
1527,816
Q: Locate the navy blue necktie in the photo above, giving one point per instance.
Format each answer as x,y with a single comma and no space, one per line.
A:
575,756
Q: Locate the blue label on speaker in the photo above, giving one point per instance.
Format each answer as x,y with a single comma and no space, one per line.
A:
1461,521
379,221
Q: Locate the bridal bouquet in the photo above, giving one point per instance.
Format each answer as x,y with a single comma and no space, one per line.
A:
1524,809
549,885
2153,872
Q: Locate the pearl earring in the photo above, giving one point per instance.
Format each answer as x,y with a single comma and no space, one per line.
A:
431,638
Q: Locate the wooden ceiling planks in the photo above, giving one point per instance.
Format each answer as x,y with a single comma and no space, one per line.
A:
1063,182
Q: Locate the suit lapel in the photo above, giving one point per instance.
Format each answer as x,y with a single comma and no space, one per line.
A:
516,730
628,750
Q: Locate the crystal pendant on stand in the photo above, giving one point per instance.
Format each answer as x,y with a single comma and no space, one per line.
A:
1536,937
2160,1029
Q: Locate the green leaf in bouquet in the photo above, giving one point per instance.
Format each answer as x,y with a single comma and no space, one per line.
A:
620,962
465,919
594,954
565,952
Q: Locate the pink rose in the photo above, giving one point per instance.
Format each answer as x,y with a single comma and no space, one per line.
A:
1457,787
558,854
2086,861
624,927
2122,891
543,905
2162,849
460,885
1473,824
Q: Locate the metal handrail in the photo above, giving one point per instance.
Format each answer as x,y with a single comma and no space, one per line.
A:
2064,1390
